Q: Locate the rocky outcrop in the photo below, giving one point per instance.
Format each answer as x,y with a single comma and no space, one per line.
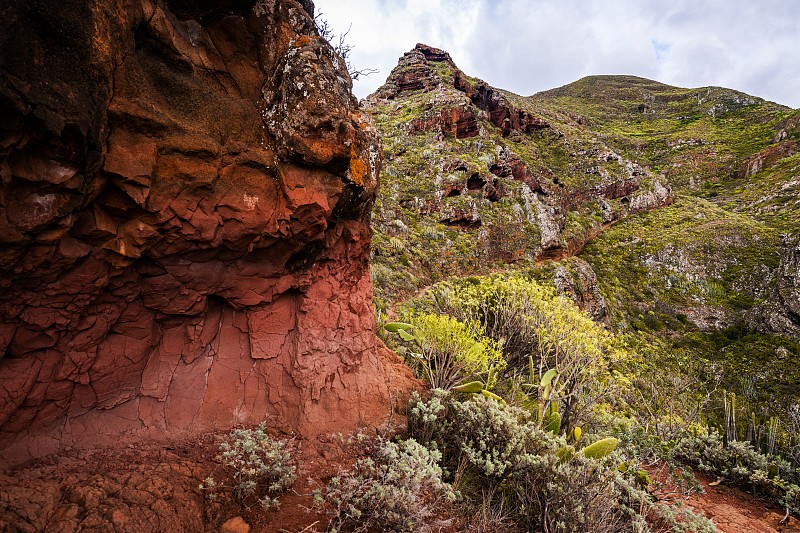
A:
575,279
508,164
413,72
501,114
184,225
659,196
780,313
459,122
768,157
789,127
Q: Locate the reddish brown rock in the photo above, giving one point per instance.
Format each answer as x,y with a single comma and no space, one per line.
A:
184,233
502,114
510,165
414,73
459,122
768,157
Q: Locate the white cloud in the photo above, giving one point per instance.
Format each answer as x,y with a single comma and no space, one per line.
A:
532,45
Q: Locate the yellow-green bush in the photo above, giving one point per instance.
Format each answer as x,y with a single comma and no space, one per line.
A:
446,351
529,320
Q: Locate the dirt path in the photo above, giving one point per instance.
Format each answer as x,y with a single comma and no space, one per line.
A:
731,510
734,511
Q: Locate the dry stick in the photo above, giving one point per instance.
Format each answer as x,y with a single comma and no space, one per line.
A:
307,528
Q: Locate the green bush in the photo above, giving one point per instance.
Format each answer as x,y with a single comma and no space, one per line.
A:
393,486
261,467
530,322
447,352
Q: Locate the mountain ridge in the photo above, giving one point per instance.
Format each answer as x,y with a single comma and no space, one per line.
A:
674,208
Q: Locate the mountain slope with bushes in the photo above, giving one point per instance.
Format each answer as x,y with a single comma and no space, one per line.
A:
670,215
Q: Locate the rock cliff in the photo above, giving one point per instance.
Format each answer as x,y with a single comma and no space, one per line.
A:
184,225
491,177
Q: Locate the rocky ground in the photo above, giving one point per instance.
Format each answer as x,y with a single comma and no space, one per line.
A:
155,488
150,487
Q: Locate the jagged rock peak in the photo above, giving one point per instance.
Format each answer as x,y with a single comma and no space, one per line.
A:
414,71
432,54
427,68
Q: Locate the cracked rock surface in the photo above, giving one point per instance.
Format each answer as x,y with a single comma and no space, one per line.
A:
184,225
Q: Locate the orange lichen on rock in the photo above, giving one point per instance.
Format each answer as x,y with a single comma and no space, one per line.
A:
301,41
357,167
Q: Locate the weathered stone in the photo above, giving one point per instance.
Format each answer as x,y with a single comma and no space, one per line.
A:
780,313
185,206
576,279
502,114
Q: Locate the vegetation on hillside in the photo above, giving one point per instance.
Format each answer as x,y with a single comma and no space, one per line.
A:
692,358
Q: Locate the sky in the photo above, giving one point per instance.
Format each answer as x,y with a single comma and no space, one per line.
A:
527,46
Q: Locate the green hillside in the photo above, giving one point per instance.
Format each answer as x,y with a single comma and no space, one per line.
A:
670,215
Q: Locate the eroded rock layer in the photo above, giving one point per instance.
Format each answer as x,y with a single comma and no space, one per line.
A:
184,238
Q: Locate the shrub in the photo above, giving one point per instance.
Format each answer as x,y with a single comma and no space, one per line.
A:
509,468
481,438
530,320
742,465
261,467
391,487
572,496
678,518
451,351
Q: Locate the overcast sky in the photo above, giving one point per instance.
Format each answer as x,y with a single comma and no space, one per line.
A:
527,46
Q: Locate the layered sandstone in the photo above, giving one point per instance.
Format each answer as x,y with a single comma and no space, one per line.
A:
184,225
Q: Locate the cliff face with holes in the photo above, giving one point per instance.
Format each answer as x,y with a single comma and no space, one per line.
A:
184,225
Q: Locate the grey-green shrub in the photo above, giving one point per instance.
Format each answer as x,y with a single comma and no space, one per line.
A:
579,495
742,465
502,462
480,437
261,467
393,486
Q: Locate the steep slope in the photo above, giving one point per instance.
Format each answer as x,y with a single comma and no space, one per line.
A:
681,207
184,210
487,177
717,256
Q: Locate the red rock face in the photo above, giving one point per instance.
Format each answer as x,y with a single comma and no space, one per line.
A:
502,114
459,122
184,236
